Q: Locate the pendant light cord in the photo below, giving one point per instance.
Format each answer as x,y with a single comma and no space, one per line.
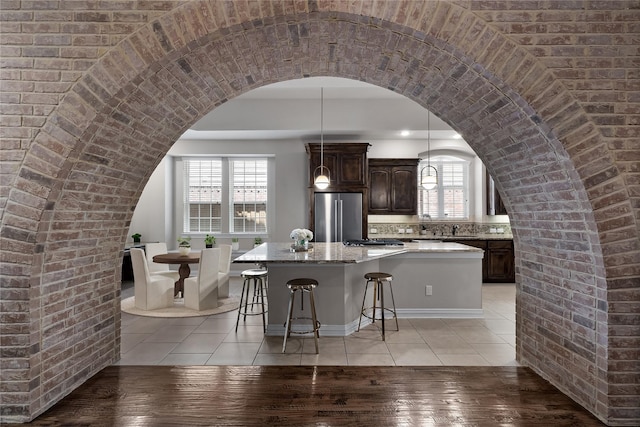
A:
429,140
321,181
321,129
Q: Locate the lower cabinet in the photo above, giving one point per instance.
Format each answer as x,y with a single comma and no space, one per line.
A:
500,261
498,264
127,268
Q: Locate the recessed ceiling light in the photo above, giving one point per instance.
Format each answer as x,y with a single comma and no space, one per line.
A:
405,133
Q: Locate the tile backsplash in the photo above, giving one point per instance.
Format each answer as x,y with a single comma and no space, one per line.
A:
437,228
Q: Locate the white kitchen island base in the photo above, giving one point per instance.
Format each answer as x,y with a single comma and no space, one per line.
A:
451,270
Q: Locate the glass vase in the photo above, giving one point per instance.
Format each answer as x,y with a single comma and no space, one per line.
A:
300,246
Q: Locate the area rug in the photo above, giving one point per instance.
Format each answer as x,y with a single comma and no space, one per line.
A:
178,309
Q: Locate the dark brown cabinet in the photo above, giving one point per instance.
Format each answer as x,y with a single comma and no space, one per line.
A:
393,186
498,264
500,261
495,206
347,165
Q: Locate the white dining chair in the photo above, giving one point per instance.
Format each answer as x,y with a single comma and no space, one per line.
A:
150,292
223,272
201,292
156,269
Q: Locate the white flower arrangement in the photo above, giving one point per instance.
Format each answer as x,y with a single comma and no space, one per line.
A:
299,234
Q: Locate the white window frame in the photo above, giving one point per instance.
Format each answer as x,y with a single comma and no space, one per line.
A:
439,162
226,209
258,188
217,186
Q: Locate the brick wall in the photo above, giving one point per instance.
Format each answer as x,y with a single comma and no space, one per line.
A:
546,92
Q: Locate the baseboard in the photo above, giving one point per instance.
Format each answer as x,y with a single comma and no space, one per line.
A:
403,313
445,313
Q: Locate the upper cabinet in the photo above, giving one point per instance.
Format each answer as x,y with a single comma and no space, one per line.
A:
347,165
393,186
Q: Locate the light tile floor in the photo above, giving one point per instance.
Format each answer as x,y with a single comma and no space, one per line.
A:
212,340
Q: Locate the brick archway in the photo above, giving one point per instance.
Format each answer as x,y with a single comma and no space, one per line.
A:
96,152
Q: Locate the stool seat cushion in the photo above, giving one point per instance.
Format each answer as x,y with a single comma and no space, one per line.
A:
254,273
302,282
378,275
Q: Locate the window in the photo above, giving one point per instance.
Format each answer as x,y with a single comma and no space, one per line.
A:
248,186
225,195
203,196
450,199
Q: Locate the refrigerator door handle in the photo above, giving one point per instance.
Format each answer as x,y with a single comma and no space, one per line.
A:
335,221
340,219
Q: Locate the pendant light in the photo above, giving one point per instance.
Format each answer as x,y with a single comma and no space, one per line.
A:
321,181
429,181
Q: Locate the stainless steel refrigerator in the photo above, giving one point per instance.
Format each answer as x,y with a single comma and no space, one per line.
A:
338,217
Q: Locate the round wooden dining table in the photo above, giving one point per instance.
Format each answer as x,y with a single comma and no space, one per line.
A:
184,270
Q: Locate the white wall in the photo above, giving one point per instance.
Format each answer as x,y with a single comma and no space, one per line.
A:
158,216
153,215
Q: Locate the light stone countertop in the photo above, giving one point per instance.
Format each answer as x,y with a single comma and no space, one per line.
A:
337,253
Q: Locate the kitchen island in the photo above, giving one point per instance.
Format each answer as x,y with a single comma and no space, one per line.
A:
450,272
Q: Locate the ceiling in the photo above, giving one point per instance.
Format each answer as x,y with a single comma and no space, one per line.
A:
291,110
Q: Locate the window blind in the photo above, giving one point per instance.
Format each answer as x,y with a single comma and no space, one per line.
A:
449,199
225,194
248,189
203,196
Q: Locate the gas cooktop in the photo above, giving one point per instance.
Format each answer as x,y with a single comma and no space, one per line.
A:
373,242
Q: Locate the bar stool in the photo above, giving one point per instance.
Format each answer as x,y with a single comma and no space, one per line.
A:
378,280
258,276
304,286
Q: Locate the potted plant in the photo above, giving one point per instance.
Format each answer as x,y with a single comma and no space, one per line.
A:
235,244
209,241
136,237
257,242
184,245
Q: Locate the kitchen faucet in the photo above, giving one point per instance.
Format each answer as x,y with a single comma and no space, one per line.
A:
454,229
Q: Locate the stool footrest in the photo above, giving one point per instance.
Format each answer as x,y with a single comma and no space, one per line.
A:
307,331
244,310
372,317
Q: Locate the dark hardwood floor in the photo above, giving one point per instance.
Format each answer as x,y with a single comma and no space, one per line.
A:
316,395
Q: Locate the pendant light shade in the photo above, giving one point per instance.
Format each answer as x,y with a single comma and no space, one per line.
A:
429,178
429,174
321,181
